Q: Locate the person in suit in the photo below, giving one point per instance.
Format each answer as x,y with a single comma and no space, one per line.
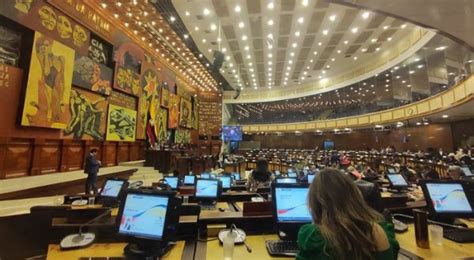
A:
91,169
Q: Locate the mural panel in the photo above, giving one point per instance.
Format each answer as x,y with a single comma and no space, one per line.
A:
49,84
161,124
121,124
173,111
186,113
182,136
165,97
92,75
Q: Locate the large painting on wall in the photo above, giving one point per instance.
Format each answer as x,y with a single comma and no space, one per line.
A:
49,84
121,124
182,136
161,124
86,115
195,117
173,115
129,57
92,75
165,97
148,100
185,115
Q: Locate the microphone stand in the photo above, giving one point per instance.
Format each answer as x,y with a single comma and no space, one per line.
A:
93,220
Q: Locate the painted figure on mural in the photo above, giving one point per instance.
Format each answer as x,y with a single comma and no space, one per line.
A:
47,17
85,116
23,6
52,78
79,36
185,115
64,27
121,123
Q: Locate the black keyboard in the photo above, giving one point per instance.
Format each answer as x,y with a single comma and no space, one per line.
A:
282,248
460,235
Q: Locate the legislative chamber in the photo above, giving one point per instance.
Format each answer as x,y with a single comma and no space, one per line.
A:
236,129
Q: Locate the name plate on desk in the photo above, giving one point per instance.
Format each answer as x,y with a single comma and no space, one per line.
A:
264,208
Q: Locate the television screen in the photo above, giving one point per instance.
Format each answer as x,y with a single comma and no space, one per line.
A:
328,145
291,204
448,197
232,133
112,188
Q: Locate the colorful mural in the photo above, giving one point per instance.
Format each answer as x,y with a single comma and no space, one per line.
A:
182,136
148,99
195,117
49,84
161,124
173,111
128,65
186,113
121,124
86,115
92,75
165,97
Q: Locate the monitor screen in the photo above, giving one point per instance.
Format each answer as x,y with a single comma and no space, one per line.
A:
112,188
328,145
311,178
286,180
391,171
226,181
292,174
207,188
236,176
397,180
291,204
467,171
232,133
144,215
172,181
277,173
205,175
448,198
189,179
213,176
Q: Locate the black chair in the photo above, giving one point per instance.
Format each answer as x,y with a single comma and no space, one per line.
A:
371,193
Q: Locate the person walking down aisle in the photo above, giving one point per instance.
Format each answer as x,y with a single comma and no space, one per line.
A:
344,226
91,169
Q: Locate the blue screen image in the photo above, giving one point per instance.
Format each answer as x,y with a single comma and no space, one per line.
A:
277,173
232,133
397,180
189,179
448,197
144,216
112,188
226,181
206,188
311,178
467,171
236,176
172,181
292,174
205,175
291,204
286,180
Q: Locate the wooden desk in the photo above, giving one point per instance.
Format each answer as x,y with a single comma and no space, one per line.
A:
104,250
448,250
214,249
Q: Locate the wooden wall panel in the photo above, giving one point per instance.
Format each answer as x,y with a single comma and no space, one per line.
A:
17,158
50,156
73,155
109,154
134,151
122,152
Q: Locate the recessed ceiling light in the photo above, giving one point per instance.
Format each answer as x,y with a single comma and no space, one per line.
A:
187,13
339,51
297,33
420,66
385,27
441,48
320,43
389,38
304,2
325,32
354,30
241,25
346,42
249,56
213,27
270,36
237,9
332,18
270,55
292,54
374,40
206,11
294,45
364,50
270,46
355,58
196,28
377,49
365,15
244,37
270,22
444,116
246,48
333,59
403,26
203,40
270,5
172,19
300,20
315,53
411,72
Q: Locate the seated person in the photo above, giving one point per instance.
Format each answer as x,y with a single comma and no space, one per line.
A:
408,173
456,173
344,226
430,174
354,173
260,177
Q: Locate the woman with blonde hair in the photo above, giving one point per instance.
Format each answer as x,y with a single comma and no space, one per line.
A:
344,226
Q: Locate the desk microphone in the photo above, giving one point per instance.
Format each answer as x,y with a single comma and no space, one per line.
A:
81,239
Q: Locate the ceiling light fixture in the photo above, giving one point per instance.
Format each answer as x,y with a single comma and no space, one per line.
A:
332,18
366,15
270,5
325,32
206,11
444,116
354,30
241,25
301,20
237,9
270,22
213,27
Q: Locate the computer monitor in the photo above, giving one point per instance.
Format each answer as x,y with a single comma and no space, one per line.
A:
172,181
448,199
112,188
290,203
207,190
213,176
226,182
311,178
467,171
397,181
236,176
205,175
292,174
277,173
391,170
189,179
149,218
285,180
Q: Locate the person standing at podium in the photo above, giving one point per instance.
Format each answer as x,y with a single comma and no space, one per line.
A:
91,169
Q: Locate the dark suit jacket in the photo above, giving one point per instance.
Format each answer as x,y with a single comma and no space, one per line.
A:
92,165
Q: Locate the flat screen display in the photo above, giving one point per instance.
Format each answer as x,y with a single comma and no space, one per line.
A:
112,188
205,175
189,179
226,181
286,180
207,188
467,171
277,173
328,145
291,204
236,176
448,198
311,178
213,175
232,133
397,180
292,174
144,216
391,171
172,181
